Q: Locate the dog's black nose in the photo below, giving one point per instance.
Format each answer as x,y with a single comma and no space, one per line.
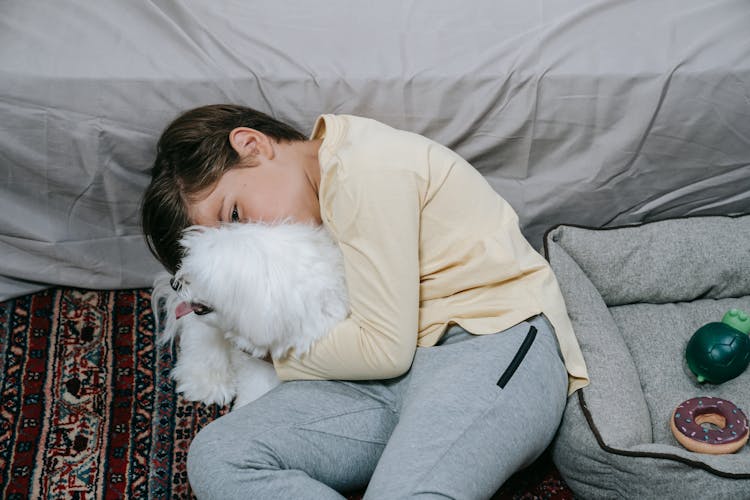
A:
175,284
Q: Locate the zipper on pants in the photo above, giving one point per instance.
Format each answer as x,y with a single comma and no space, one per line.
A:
516,361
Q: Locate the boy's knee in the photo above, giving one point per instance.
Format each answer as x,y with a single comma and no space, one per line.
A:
205,461
218,457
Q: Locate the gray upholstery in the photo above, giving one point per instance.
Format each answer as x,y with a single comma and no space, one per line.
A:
635,296
595,112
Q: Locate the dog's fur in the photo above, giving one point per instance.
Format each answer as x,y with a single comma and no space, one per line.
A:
271,287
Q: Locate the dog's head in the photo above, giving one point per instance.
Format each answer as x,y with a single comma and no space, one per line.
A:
171,300
270,287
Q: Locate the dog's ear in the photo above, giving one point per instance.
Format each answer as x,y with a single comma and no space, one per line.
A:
175,284
164,300
162,290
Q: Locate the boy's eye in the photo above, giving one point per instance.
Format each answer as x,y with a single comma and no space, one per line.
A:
235,214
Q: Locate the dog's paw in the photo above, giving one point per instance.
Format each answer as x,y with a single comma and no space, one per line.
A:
254,377
203,371
252,390
209,386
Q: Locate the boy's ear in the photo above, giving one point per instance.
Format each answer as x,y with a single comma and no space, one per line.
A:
250,142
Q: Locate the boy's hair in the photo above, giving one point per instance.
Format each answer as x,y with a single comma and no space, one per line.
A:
192,154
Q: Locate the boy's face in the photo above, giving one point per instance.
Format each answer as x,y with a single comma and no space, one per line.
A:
283,183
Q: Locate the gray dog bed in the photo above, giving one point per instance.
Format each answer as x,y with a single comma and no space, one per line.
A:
635,296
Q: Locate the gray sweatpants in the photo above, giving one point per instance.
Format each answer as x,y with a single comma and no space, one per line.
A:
470,412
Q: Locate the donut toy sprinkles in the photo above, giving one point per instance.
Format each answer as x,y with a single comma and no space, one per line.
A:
688,421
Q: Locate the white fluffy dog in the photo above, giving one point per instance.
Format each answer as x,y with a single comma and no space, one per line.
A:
244,291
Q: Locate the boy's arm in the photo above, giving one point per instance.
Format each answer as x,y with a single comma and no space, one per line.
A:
375,217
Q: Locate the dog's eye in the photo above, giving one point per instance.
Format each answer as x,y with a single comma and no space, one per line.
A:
175,284
235,214
200,309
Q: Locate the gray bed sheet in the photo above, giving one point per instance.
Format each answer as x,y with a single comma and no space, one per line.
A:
581,112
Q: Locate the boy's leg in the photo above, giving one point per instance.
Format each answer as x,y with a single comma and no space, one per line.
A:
304,439
461,435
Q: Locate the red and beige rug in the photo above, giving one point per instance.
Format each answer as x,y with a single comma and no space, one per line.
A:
89,412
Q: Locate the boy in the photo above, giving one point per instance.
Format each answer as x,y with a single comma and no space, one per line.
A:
449,374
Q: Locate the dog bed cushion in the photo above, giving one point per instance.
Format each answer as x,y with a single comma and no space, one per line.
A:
635,296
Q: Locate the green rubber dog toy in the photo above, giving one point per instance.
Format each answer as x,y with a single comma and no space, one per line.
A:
718,352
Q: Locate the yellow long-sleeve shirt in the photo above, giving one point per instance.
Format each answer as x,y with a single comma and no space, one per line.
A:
426,242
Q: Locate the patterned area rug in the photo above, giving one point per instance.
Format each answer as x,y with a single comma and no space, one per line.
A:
89,412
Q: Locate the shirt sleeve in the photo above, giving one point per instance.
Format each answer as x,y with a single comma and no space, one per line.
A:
375,218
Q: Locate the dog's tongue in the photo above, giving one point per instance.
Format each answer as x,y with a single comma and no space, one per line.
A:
182,309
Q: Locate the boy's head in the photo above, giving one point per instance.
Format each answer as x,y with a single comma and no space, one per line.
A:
226,163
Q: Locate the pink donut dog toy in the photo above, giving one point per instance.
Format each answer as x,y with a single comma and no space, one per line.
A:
688,417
